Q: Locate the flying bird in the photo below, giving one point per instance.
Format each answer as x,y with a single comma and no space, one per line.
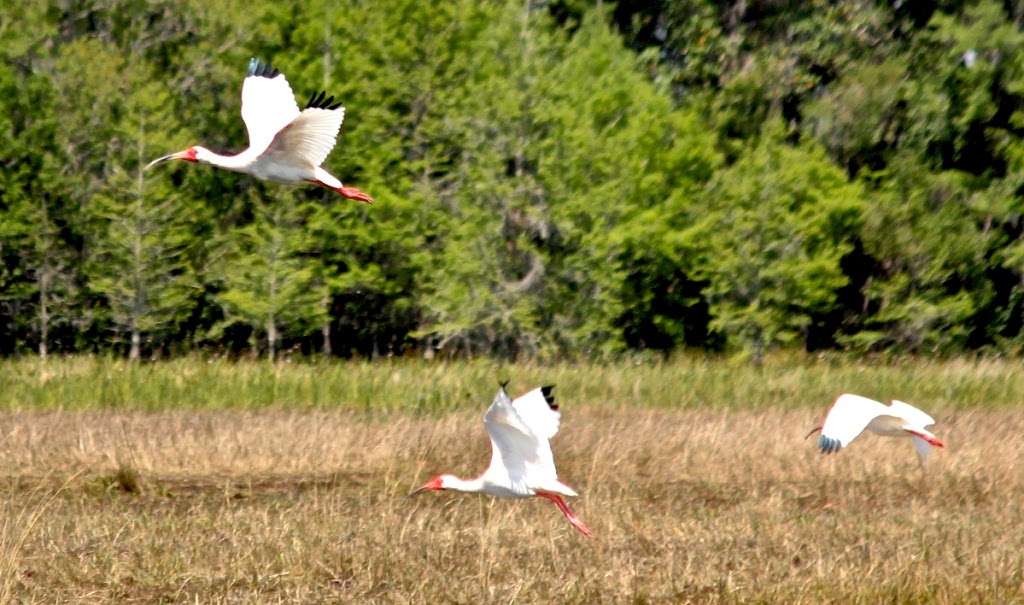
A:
851,414
285,145
521,462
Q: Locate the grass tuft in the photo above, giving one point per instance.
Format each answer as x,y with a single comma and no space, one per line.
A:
125,479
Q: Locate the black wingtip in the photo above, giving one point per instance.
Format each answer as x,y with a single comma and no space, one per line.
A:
320,100
548,396
504,383
829,445
262,70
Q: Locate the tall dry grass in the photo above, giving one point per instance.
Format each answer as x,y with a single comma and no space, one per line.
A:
17,523
701,506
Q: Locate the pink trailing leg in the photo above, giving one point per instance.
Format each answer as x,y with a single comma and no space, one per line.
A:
569,515
348,192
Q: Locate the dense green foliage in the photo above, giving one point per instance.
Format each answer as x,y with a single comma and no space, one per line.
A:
567,178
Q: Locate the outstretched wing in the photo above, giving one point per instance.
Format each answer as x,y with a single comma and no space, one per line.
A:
913,416
539,412
519,432
847,419
268,104
311,136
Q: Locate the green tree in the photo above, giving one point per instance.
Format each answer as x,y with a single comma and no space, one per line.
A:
627,170
777,224
38,279
138,232
563,142
140,262
49,285
923,233
400,70
267,282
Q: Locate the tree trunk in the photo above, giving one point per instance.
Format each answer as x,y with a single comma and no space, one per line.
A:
759,348
136,350
137,256
325,330
271,339
44,312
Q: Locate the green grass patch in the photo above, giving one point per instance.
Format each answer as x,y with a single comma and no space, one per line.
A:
430,387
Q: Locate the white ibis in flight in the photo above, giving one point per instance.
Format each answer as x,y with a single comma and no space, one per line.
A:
285,145
851,414
521,460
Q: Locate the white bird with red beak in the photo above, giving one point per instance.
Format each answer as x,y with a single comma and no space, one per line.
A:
285,145
851,414
521,462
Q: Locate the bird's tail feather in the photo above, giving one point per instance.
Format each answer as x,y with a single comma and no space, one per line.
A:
326,178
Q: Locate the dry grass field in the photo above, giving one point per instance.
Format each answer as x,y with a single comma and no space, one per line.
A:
308,505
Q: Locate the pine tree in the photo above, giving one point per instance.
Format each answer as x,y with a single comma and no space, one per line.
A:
39,280
140,231
47,262
267,281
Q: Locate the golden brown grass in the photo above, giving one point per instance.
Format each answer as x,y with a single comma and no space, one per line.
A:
687,506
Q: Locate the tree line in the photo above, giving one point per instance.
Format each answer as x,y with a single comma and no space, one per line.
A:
553,178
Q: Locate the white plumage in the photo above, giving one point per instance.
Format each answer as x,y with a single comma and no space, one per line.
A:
310,136
285,145
521,461
851,414
268,105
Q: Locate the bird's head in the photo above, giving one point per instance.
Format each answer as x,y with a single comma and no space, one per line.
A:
192,154
436,484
